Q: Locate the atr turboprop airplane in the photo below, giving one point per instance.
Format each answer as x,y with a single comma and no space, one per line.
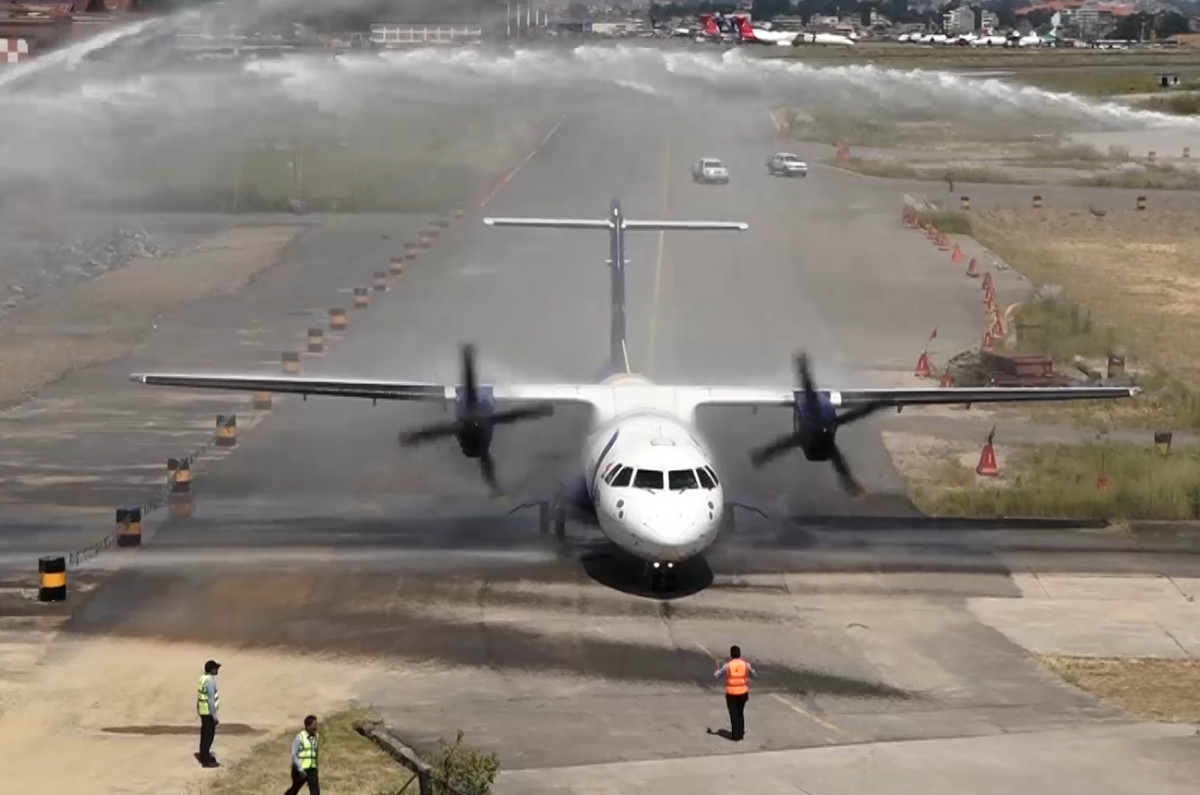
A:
647,478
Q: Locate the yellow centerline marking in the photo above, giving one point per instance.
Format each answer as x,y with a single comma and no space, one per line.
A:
799,710
658,264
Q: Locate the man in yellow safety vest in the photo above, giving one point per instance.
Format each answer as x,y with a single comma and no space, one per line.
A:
737,673
304,759
207,702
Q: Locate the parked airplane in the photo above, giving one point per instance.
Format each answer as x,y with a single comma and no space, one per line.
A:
824,38
753,35
646,477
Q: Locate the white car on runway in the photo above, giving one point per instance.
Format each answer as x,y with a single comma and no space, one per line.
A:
710,170
786,164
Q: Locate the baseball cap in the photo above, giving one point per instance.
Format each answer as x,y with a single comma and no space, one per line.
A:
211,665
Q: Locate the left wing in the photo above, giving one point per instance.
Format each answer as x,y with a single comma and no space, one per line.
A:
364,388
903,396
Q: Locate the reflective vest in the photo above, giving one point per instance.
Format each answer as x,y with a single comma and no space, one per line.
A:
202,705
737,678
308,751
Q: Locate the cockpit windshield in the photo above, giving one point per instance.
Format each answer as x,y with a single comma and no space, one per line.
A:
648,479
680,479
713,164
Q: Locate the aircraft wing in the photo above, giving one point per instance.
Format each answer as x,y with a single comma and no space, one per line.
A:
363,388
906,396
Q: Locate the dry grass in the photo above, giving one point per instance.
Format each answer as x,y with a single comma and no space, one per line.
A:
1148,688
1136,272
350,763
1051,480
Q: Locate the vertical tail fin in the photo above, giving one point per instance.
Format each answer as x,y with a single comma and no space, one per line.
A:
617,225
710,25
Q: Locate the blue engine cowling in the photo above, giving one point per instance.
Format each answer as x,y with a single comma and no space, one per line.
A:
817,431
474,436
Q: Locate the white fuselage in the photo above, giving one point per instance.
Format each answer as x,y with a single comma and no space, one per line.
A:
650,477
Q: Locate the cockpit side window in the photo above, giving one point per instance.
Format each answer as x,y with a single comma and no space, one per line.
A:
679,479
611,473
623,477
705,481
712,474
648,479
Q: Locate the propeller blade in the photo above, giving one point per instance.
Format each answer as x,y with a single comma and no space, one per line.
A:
522,413
429,433
843,470
468,377
487,467
855,414
804,375
762,455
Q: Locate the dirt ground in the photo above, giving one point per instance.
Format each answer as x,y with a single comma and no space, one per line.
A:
123,712
99,320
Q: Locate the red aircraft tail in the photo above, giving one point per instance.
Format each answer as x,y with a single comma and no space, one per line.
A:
744,28
710,25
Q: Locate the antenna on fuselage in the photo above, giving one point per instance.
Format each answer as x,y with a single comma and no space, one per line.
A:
617,224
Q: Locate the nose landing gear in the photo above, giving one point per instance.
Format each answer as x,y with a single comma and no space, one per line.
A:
662,576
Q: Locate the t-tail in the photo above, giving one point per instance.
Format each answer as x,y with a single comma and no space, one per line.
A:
617,224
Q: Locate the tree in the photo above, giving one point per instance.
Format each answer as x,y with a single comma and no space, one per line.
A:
461,769
577,11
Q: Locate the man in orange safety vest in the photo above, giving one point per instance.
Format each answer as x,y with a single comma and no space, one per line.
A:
737,673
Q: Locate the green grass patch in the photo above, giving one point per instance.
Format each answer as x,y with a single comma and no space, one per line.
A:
1062,329
877,167
350,763
1151,176
1178,104
1060,481
951,222
1090,83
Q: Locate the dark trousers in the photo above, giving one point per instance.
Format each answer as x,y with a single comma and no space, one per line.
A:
299,780
208,730
737,714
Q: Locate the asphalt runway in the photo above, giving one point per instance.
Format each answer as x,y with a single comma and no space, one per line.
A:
318,533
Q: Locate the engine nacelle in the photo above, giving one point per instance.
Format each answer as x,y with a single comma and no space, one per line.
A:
475,433
817,431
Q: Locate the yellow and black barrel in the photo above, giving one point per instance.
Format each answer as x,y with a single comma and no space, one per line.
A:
1037,202
226,430
396,266
53,571
1162,442
262,401
129,526
425,239
361,298
458,211
291,361
381,278
179,475
1141,203
179,506
410,251
1151,155
337,319
440,223
1187,151
316,340
964,203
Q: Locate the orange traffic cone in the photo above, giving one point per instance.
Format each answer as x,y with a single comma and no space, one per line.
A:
987,467
1103,483
942,243
947,379
987,281
923,370
989,302
957,256
998,329
972,268
931,232
987,341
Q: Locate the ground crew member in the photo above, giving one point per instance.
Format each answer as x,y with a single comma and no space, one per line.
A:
737,673
207,702
304,759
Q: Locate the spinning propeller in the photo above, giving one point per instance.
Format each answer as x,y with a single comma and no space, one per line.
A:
817,422
475,421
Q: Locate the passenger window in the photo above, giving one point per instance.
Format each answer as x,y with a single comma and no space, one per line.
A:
623,477
714,476
679,479
648,479
705,480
